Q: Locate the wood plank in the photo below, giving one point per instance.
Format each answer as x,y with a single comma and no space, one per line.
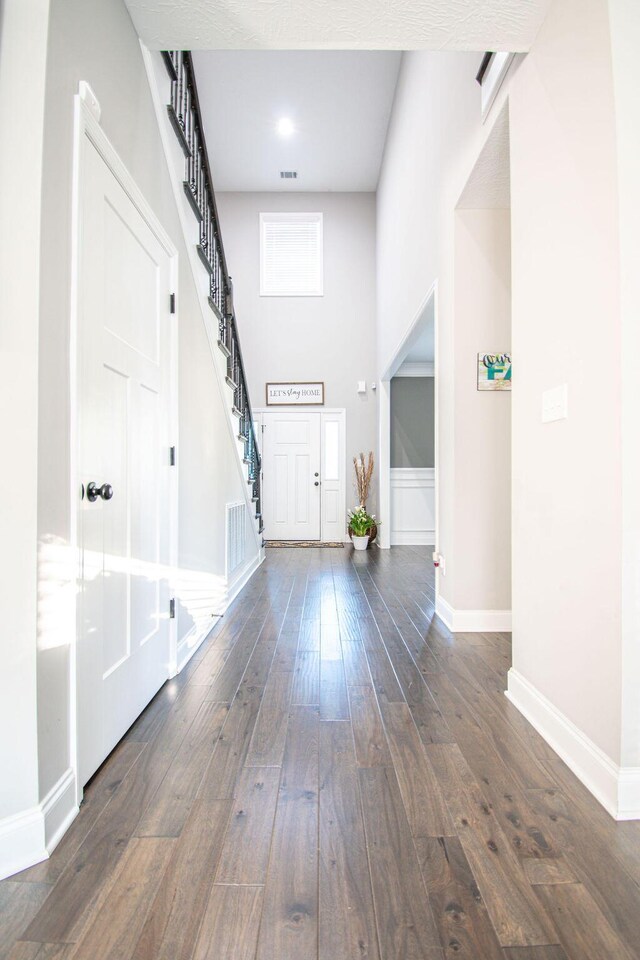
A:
513,908
66,910
424,803
592,853
346,917
368,733
28,950
464,925
584,930
228,758
384,679
356,667
405,924
306,678
334,702
246,848
289,928
19,903
269,734
121,913
535,953
171,927
230,926
169,807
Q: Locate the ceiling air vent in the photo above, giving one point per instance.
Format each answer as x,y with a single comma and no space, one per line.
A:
288,174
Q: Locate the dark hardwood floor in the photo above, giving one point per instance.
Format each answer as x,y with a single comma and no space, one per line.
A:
334,777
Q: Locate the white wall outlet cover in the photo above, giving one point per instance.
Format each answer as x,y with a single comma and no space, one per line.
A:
555,404
362,386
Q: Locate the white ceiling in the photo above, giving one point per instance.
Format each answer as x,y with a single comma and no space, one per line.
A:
339,103
338,24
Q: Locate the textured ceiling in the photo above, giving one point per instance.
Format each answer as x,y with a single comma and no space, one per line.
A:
243,94
489,185
338,24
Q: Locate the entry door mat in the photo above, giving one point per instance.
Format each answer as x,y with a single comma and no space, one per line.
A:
290,544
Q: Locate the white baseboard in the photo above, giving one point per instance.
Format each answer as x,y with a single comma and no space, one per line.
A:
616,788
30,836
199,633
473,621
60,809
412,538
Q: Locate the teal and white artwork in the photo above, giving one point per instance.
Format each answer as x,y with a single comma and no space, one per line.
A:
494,371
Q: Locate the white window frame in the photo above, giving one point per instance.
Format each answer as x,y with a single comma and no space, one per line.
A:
274,217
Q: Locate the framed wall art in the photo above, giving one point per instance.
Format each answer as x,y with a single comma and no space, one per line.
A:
494,371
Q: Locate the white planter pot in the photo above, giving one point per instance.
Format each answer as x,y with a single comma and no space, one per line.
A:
361,543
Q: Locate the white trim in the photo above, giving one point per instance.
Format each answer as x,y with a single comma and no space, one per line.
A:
22,841
59,809
413,476
413,538
473,621
616,788
195,637
493,80
87,128
416,369
31,836
408,512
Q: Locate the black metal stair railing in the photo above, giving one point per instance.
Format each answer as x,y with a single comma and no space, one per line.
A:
186,119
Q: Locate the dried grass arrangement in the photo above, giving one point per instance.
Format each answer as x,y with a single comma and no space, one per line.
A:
364,473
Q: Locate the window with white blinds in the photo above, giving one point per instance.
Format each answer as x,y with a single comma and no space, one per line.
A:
291,255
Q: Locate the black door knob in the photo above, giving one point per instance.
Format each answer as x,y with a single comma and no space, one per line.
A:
94,491
316,484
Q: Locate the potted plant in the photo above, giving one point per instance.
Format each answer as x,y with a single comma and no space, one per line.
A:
361,525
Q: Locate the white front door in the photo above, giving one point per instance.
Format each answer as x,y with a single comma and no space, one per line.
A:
291,469
124,340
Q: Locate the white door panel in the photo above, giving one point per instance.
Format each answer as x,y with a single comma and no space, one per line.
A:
124,404
291,468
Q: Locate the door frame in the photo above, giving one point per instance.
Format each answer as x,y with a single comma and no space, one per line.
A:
88,134
339,413
384,421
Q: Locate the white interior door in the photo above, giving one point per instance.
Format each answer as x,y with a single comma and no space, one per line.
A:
291,470
124,342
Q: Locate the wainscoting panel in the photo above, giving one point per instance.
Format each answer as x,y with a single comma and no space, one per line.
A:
413,506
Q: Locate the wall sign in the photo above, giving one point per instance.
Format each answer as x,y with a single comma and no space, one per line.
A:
494,371
295,394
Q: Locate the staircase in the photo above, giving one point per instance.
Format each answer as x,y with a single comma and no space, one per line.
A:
184,113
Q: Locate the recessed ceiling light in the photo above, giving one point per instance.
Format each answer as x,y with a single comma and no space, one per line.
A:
285,127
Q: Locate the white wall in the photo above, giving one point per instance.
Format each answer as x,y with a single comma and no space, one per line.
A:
567,504
482,428
566,500
625,36
23,38
90,40
329,338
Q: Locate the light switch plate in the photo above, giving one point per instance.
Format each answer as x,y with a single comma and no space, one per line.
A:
362,386
554,404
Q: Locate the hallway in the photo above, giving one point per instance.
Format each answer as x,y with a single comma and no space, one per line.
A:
330,777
